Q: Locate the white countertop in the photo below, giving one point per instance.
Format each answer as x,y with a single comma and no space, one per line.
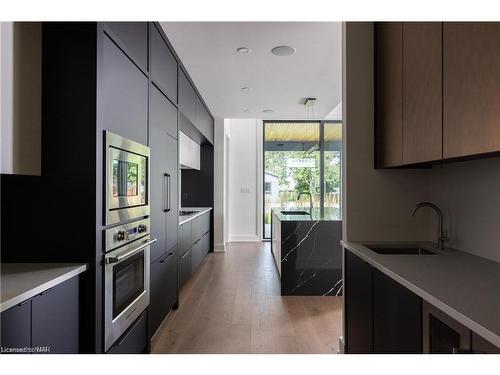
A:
22,281
464,286
199,211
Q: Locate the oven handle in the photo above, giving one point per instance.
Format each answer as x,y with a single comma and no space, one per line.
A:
121,257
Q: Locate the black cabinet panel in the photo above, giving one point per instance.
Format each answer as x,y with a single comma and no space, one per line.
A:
197,228
397,317
134,37
196,255
134,340
55,318
204,122
123,95
16,327
163,289
185,239
187,98
163,113
206,243
358,299
481,346
185,268
164,174
163,65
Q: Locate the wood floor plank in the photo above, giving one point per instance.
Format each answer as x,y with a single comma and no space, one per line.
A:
232,304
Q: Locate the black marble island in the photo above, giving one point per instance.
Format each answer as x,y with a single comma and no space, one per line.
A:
307,251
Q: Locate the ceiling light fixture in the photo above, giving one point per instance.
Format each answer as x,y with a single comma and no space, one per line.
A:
243,50
268,111
245,89
283,51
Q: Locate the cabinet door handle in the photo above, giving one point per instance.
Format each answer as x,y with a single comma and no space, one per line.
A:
46,291
166,194
169,192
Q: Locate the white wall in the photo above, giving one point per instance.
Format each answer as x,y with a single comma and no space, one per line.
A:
377,203
469,195
244,179
20,97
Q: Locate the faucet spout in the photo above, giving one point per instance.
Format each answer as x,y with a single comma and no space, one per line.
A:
442,234
310,199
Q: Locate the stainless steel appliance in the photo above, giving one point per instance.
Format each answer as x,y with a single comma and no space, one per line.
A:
126,179
443,334
126,277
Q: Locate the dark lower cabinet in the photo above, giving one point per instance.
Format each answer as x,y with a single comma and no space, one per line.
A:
482,346
164,290
16,327
196,255
48,322
55,318
358,299
397,317
185,268
135,339
381,316
205,243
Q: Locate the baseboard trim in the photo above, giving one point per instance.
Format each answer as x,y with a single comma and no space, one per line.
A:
219,248
244,239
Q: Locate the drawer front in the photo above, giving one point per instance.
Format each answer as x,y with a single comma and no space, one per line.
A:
185,268
205,223
197,255
206,243
134,340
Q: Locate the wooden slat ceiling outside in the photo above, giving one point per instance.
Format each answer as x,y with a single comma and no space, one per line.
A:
301,132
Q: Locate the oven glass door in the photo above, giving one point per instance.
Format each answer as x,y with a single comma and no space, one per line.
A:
127,175
128,282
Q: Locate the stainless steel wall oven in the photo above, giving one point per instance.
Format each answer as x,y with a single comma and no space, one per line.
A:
126,179
126,277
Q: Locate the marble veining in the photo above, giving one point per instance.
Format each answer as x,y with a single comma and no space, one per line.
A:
310,257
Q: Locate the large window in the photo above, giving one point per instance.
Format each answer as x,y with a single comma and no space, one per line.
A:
301,157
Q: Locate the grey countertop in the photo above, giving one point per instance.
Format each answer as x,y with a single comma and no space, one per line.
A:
464,286
199,211
328,214
22,281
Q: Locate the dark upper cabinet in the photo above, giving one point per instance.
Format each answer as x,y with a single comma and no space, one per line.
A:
422,92
358,300
133,38
188,100
163,65
397,317
204,122
389,93
471,95
16,327
164,290
163,174
123,99
55,318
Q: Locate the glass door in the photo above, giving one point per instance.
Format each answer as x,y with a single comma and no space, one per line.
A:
302,162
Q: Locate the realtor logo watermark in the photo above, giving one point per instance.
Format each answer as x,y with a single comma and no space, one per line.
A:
26,349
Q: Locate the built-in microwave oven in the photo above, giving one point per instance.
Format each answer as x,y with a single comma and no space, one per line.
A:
126,179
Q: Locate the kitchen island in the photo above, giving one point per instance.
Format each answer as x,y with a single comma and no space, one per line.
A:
307,251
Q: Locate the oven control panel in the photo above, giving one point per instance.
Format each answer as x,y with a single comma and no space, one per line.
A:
125,233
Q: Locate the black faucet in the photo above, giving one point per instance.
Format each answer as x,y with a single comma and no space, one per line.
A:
310,200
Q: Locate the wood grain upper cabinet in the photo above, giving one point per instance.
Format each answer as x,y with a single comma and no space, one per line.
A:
163,65
389,95
422,92
471,84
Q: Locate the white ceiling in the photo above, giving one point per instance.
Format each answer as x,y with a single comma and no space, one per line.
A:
208,51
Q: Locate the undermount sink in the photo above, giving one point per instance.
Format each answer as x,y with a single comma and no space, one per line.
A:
295,212
410,250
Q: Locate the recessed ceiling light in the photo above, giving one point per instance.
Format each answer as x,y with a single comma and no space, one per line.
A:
245,89
244,50
245,110
268,111
283,51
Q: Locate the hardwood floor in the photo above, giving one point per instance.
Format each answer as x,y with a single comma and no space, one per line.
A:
232,304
